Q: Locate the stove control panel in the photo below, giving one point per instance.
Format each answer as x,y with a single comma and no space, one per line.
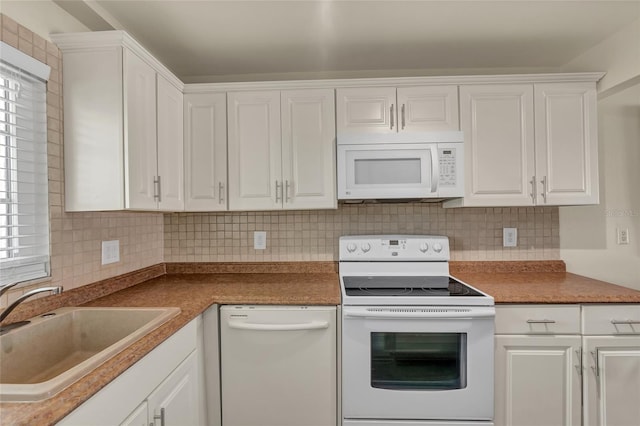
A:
389,248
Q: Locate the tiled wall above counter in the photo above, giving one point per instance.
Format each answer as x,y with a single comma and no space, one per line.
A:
475,233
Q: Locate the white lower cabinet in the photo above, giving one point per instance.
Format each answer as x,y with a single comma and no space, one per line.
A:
139,416
162,389
611,354
534,372
175,401
567,365
537,365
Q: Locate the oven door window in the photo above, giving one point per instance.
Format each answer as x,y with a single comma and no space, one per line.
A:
418,361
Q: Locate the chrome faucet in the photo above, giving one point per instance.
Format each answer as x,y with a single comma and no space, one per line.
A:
11,307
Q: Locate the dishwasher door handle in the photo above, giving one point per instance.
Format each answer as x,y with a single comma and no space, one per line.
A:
312,325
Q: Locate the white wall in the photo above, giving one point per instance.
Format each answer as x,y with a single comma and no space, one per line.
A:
618,55
43,17
588,237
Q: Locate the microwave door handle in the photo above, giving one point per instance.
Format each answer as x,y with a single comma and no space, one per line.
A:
435,169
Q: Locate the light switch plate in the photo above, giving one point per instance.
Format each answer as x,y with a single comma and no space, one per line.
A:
110,252
509,237
260,240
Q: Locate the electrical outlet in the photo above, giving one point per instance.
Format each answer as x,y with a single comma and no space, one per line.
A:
260,240
509,237
110,252
623,235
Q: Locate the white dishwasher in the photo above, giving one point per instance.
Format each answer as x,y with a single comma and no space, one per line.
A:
278,365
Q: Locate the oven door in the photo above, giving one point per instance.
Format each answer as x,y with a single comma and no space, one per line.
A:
387,171
420,363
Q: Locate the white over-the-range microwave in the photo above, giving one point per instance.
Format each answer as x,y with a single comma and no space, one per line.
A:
401,166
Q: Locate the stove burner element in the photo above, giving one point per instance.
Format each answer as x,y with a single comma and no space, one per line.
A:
386,291
406,286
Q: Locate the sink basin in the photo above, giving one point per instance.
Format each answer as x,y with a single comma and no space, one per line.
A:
56,349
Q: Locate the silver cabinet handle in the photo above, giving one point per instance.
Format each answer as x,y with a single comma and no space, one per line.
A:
157,188
627,322
533,189
596,368
220,193
544,189
277,197
391,117
579,356
403,117
160,417
542,321
286,191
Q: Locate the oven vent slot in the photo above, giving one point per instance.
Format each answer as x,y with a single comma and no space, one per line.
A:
420,310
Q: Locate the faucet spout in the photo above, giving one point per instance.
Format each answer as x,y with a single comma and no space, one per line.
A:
11,307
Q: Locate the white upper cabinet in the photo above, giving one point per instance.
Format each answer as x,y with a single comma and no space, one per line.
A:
205,151
428,108
365,110
529,144
281,150
566,144
255,158
122,125
497,122
308,149
140,138
170,147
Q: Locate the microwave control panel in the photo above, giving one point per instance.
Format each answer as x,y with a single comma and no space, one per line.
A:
448,172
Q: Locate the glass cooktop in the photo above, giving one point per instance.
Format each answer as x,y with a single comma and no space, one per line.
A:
419,286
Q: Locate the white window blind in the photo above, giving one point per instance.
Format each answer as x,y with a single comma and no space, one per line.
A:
24,208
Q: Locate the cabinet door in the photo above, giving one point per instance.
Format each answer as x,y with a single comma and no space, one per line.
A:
566,143
497,121
428,108
255,167
170,146
366,110
537,380
175,401
308,149
612,380
140,151
139,417
205,150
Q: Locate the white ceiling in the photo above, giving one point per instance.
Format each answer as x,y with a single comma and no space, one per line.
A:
210,40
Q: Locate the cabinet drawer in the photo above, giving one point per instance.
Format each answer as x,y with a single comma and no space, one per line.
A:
538,319
611,319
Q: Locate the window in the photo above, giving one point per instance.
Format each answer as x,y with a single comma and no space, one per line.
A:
24,208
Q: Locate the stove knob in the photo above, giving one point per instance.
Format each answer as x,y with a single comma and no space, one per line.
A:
351,247
366,247
437,247
424,247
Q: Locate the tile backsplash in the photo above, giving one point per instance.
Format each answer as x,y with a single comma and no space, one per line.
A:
475,233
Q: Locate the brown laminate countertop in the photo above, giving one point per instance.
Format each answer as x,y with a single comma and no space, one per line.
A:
193,294
547,287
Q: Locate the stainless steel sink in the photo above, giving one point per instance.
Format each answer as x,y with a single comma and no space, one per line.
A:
56,349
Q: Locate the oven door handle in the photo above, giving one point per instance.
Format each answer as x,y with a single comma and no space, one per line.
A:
418,314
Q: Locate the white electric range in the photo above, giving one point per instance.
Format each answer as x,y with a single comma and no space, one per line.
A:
417,343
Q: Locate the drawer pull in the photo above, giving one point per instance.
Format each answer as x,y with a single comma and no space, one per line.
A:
543,321
629,322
